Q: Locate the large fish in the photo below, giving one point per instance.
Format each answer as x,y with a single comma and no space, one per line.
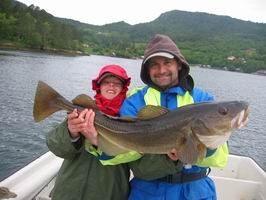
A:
190,129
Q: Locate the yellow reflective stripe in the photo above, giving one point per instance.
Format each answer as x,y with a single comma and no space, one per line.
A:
122,158
186,99
134,91
218,159
152,97
91,149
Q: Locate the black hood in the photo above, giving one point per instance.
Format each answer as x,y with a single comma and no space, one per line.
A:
162,43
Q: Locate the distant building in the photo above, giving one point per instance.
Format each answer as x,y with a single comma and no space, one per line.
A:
232,58
85,45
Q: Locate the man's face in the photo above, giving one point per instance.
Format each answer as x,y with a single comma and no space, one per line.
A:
164,71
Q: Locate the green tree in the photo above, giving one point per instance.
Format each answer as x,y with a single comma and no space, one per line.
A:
5,6
44,30
7,26
25,26
36,40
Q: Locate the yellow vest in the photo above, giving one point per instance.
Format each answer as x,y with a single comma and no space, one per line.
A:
219,158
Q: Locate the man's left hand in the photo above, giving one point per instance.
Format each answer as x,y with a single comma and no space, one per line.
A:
173,155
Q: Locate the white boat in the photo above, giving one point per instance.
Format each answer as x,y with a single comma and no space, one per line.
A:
241,179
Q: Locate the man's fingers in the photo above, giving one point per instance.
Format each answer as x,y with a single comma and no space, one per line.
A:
173,154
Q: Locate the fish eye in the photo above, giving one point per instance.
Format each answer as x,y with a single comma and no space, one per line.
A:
223,110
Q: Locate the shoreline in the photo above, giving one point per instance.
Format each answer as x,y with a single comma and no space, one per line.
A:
12,46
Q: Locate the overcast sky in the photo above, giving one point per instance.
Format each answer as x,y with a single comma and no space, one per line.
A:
99,12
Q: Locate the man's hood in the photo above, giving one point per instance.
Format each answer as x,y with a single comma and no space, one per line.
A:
162,43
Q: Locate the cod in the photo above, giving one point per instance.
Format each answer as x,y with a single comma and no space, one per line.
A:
190,129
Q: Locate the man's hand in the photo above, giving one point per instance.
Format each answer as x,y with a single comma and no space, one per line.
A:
173,155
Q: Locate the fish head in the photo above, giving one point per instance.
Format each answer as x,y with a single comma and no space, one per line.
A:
216,121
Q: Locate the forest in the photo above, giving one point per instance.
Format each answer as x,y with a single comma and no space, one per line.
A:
32,27
206,40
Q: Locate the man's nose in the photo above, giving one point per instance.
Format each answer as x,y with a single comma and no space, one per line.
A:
162,69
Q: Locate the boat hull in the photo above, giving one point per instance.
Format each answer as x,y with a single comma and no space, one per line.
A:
242,178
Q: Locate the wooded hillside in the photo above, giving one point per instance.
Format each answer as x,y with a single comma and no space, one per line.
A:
205,39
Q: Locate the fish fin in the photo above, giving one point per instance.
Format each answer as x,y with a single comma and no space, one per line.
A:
109,147
84,101
48,101
202,151
191,150
150,111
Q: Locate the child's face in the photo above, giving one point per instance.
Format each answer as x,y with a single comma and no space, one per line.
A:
110,87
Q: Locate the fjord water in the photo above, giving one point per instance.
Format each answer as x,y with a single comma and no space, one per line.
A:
23,140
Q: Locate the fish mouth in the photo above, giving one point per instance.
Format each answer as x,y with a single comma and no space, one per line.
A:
241,119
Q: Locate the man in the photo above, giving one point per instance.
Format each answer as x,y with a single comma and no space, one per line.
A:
166,73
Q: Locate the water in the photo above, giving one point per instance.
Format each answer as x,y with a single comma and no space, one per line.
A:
23,140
